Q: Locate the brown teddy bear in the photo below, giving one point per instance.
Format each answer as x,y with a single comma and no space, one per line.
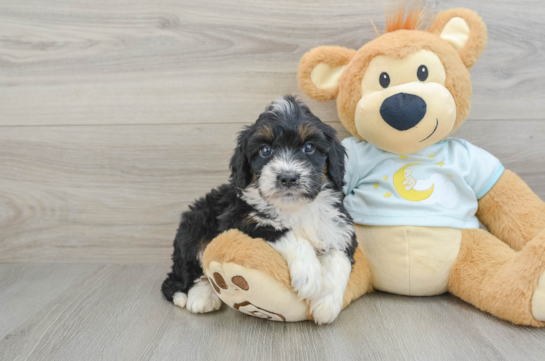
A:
401,96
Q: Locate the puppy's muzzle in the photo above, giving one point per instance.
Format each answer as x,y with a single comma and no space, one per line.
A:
288,180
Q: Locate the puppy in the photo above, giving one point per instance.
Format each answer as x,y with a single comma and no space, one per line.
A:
285,187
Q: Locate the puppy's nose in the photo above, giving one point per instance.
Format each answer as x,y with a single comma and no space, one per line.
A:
288,180
403,111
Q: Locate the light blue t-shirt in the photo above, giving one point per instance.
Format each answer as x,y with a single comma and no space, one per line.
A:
437,187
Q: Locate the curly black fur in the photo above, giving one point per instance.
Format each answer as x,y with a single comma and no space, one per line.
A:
285,125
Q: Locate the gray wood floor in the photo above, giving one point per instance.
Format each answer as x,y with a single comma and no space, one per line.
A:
113,312
116,114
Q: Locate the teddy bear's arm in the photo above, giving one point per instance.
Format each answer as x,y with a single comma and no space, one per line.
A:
511,211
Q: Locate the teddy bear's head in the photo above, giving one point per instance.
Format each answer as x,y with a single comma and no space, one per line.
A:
407,89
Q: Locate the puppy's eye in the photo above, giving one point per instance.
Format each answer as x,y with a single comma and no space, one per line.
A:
422,73
265,151
309,148
384,80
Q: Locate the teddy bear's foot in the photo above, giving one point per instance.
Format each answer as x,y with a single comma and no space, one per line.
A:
255,293
494,277
250,276
536,249
201,297
538,300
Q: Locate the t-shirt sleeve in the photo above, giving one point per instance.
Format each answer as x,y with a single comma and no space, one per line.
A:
484,170
351,176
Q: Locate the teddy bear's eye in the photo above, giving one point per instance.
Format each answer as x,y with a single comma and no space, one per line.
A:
422,73
384,80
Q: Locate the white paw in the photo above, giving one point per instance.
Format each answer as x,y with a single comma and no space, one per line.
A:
336,269
304,266
306,279
201,298
326,308
179,299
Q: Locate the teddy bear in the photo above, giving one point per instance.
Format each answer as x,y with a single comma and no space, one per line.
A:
409,182
416,194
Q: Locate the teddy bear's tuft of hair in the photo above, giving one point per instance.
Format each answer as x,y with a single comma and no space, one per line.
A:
404,15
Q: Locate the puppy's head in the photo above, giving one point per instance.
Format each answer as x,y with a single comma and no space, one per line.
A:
288,155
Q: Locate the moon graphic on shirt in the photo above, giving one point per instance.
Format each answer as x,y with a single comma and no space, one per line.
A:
410,195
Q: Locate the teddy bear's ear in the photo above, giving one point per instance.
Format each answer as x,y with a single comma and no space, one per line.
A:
464,30
320,71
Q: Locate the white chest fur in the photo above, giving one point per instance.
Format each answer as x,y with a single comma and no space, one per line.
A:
319,221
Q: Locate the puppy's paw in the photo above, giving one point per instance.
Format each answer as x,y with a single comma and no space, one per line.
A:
306,279
326,307
179,299
201,298
336,269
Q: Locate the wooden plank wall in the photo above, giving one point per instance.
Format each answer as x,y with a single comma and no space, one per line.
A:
114,115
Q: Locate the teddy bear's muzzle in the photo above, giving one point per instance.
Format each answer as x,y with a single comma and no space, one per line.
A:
403,111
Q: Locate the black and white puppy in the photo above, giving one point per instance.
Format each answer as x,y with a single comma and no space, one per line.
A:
285,187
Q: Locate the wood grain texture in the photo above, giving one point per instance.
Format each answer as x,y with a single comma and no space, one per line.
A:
184,61
116,312
115,115
115,193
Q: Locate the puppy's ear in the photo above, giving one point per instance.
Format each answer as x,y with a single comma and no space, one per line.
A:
241,172
320,71
335,159
464,30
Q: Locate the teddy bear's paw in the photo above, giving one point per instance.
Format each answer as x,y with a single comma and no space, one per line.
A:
179,299
255,293
326,307
201,297
538,300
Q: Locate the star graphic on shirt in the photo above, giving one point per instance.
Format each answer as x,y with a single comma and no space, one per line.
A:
431,156
385,178
440,164
376,186
402,157
387,195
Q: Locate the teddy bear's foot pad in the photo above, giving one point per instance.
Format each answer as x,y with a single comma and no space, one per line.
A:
538,300
255,293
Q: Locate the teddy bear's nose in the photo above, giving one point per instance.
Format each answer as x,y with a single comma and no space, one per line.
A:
403,111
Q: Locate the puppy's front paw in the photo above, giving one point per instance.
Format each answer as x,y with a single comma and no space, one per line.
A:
306,279
201,298
326,307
